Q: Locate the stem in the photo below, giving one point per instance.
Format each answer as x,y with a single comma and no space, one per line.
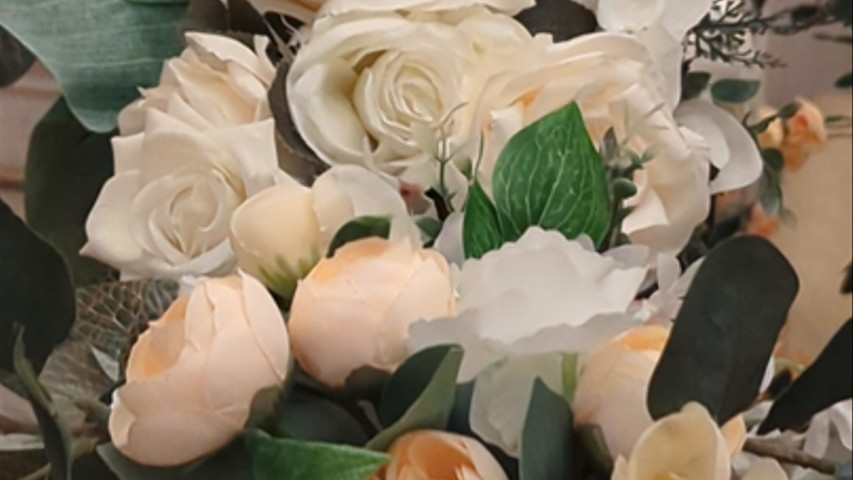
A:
786,454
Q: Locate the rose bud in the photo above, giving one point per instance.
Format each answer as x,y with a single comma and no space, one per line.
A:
425,455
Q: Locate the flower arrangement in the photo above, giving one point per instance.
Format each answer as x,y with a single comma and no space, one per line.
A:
410,240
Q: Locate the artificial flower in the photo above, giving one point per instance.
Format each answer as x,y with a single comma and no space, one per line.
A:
167,211
192,376
393,89
427,455
281,233
216,82
302,10
818,437
618,90
521,305
686,444
612,390
354,309
805,133
661,25
673,284
765,469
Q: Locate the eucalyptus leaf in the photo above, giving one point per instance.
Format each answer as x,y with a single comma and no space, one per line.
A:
276,459
828,381
35,292
311,417
734,91
547,445
420,395
562,19
66,167
15,59
774,159
551,174
695,83
481,232
231,463
358,229
724,334
99,51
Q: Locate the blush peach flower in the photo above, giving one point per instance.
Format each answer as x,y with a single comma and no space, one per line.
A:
805,133
427,455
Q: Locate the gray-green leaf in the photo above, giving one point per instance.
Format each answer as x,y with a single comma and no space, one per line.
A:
99,51
551,175
733,90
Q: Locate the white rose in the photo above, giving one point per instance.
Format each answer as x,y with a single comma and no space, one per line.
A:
613,386
281,233
306,10
167,210
216,82
354,309
520,305
686,444
612,78
377,90
192,375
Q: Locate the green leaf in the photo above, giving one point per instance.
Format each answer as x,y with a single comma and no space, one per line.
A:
231,463
311,417
774,159
845,472
847,285
360,228
420,395
546,444
562,19
480,229
99,51
15,59
66,167
726,330
734,90
57,440
277,459
35,292
550,174
828,381
771,195
694,84
845,81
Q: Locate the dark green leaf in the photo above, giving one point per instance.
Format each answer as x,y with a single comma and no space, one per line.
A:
847,286
277,459
774,159
771,195
828,381
35,292
546,442
420,395
57,441
562,19
360,228
845,81
734,90
694,84
551,175
726,330
311,417
232,463
843,10
788,111
15,59
99,51
66,167
480,230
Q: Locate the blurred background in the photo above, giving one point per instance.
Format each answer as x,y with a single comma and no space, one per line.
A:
819,243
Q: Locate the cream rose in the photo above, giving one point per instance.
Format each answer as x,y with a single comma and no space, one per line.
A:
192,375
167,211
570,298
384,90
306,10
611,392
427,455
686,444
354,309
216,82
612,78
281,233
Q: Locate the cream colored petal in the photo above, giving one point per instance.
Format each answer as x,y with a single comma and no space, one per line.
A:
765,469
110,238
339,7
629,15
449,241
267,325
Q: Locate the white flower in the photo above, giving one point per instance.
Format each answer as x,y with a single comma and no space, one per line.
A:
819,435
518,305
377,90
339,7
192,376
730,147
281,233
217,82
663,306
167,211
661,25
612,78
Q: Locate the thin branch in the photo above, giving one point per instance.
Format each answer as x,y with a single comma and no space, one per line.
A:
785,454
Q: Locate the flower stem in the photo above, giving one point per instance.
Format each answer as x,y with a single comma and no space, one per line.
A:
785,454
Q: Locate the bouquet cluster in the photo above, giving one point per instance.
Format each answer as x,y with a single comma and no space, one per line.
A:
412,240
